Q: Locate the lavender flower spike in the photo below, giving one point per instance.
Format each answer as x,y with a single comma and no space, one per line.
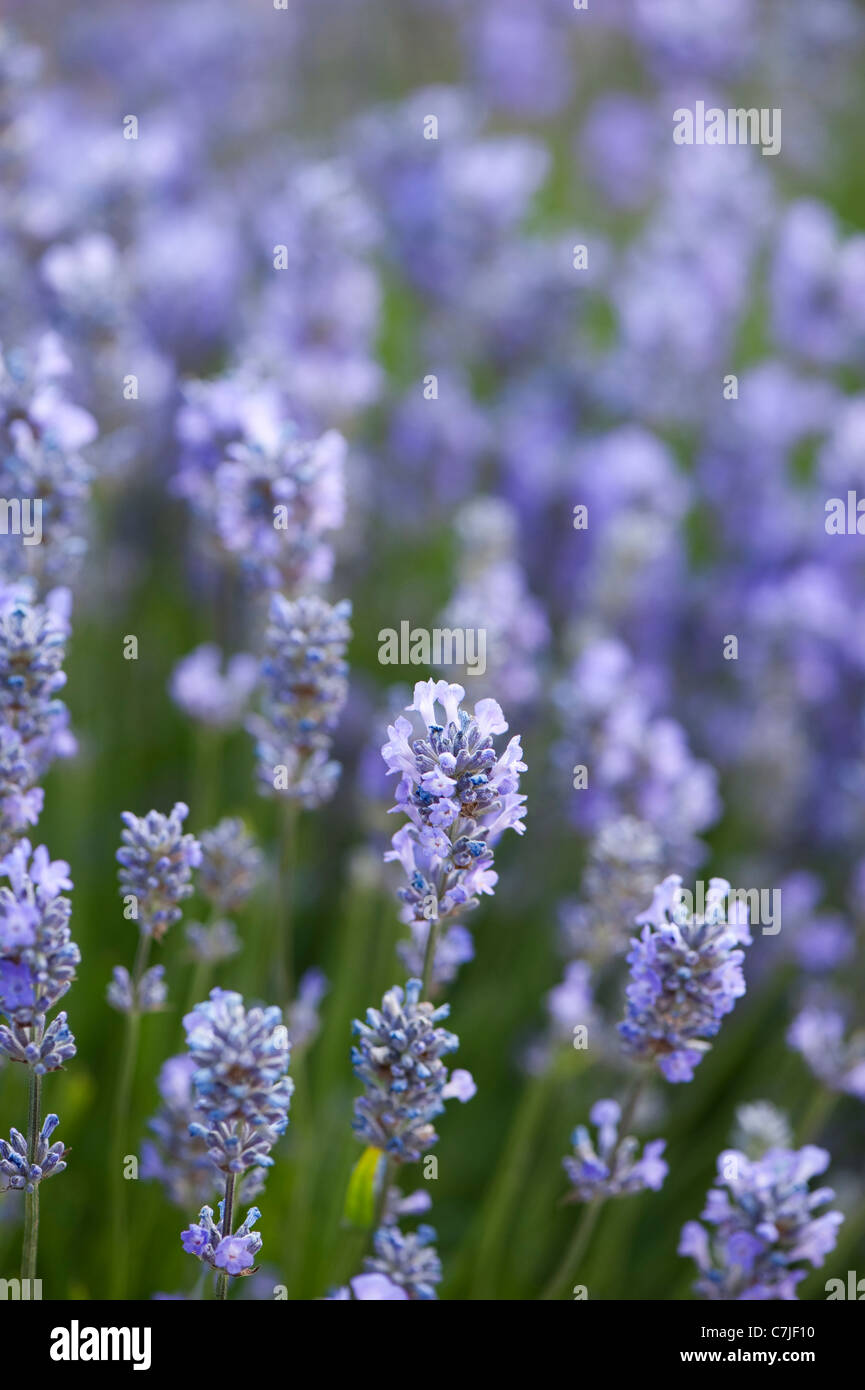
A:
686,974
240,1083
839,1062
156,861
612,1168
37,955
408,1260
15,1167
234,1254
230,864
148,996
241,1090
459,795
398,1058
305,680
765,1225
56,1046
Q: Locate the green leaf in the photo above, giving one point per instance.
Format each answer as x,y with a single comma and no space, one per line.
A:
363,1188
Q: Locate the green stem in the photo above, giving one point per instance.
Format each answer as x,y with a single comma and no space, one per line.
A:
507,1185
300,1205
31,1199
122,1102
200,982
429,957
206,777
818,1112
284,903
227,1222
381,1196
576,1251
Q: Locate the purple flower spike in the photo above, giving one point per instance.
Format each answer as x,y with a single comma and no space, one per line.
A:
764,1225
686,974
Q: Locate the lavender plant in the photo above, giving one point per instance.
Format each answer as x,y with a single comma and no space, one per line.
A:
230,866
37,966
764,1224
685,976
156,861
676,375
38,957
459,796
242,1094
305,685
304,675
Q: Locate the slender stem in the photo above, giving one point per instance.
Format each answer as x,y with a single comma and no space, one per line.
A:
200,981
818,1112
504,1191
381,1197
284,903
31,1199
202,970
227,1221
387,1173
208,767
429,958
122,1102
576,1251
142,955
303,1177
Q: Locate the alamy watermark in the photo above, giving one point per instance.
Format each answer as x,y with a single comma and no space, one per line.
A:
465,647
763,904
736,126
20,1290
22,516
76,1343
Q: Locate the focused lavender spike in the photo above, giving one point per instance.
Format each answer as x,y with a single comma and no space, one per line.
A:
41,437
305,680
686,974
242,1091
234,1254
241,1086
459,796
32,650
611,1167
15,1167
156,861
409,1260
398,1058
56,1046
37,954
230,864
764,1225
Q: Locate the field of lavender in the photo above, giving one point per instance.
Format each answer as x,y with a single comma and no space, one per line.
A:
432,673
